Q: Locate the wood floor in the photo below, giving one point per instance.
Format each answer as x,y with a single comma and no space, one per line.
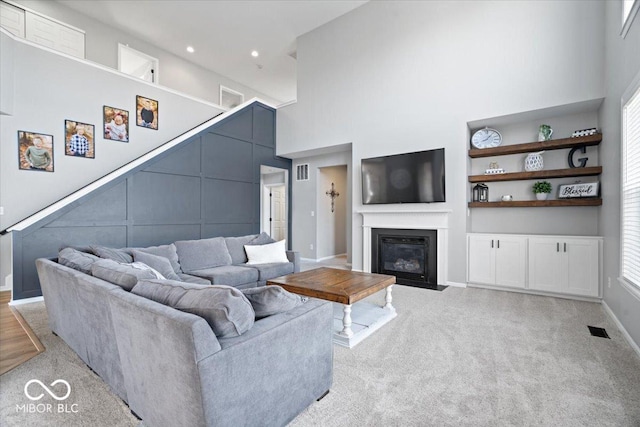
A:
18,343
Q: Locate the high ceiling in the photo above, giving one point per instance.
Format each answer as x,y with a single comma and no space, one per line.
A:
224,33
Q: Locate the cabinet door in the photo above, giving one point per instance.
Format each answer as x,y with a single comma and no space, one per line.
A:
481,260
582,263
546,272
511,261
12,19
54,35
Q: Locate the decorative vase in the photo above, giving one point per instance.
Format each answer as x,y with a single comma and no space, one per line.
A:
542,196
544,133
534,162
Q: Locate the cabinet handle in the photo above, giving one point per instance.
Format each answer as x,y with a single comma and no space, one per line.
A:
557,246
565,247
498,243
491,243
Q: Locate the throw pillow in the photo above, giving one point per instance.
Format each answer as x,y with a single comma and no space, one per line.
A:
159,263
204,253
119,255
76,259
235,245
269,300
125,275
264,254
262,239
166,251
225,308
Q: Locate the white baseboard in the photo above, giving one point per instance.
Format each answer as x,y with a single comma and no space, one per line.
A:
457,284
308,259
26,301
625,334
329,257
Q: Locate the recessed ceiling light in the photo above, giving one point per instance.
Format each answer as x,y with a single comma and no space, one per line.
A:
255,53
190,49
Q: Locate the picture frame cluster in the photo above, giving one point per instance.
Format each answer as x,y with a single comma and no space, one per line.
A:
36,149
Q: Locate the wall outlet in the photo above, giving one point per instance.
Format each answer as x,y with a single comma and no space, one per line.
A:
609,282
1,210
313,213
311,246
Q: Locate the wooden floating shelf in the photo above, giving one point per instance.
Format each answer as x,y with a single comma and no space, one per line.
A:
530,147
537,203
555,173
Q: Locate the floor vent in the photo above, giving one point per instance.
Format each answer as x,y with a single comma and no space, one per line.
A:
598,332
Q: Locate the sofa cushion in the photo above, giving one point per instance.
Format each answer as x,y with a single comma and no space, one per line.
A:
235,245
204,253
188,278
272,270
158,263
225,309
269,300
125,275
120,255
262,239
230,275
77,260
267,253
166,251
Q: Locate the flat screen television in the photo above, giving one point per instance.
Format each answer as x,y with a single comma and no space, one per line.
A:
404,178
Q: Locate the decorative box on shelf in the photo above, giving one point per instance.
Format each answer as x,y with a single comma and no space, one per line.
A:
494,171
584,132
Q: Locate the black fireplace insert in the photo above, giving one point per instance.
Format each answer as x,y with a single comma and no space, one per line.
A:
410,255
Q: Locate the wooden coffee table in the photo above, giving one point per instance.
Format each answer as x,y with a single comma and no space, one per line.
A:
352,322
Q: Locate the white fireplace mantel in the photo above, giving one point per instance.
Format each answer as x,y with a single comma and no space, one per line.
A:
423,220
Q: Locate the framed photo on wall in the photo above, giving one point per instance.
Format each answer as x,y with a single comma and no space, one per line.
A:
35,151
116,124
79,139
146,112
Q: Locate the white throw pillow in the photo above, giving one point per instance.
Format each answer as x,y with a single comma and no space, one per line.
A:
265,254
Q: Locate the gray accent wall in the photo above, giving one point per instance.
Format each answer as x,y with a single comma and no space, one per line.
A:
207,186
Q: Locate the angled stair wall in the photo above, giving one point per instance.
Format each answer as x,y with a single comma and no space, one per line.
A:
205,186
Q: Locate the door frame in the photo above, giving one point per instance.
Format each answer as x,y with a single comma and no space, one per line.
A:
156,62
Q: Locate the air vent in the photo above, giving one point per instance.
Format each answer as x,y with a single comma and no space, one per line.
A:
598,332
302,172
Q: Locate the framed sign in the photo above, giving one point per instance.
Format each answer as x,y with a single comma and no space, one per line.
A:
582,189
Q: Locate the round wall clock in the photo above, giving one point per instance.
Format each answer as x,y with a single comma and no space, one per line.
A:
486,138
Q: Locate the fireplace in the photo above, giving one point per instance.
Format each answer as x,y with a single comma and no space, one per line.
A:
408,254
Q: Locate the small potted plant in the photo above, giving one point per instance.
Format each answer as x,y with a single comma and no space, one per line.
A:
542,189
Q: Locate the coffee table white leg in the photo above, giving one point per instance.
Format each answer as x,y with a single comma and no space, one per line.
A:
388,298
346,322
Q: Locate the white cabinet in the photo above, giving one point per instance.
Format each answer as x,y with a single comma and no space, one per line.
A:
52,34
565,265
12,19
498,259
42,29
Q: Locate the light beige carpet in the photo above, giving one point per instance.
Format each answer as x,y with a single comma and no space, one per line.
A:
462,357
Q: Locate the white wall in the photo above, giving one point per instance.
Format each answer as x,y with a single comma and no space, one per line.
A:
393,77
622,66
176,73
306,223
332,226
50,88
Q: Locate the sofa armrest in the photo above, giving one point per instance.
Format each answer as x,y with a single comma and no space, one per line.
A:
294,257
277,368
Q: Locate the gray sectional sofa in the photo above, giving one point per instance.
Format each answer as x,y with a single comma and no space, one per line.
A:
167,363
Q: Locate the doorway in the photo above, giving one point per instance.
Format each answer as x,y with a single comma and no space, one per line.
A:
137,64
274,202
333,196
